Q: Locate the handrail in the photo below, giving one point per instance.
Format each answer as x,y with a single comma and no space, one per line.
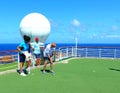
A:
66,52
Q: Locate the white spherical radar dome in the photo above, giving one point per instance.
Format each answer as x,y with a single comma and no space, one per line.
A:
35,25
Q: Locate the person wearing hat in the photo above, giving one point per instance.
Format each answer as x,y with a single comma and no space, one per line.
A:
48,53
36,51
24,49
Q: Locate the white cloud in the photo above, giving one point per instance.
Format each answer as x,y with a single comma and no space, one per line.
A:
75,22
113,36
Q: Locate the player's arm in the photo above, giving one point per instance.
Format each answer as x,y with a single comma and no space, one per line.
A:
18,48
49,57
31,47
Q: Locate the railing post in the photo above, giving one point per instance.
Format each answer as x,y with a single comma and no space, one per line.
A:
67,52
18,62
76,51
86,52
72,51
60,54
99,52
115,53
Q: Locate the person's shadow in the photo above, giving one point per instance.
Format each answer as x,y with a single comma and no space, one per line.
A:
24,70
114,69
48,71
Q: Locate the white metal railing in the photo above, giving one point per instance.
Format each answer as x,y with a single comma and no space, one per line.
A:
67,52
87,52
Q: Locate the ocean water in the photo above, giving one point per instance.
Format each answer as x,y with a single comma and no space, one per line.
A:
108,50
4,47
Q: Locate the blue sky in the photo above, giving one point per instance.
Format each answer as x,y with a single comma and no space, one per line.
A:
91,21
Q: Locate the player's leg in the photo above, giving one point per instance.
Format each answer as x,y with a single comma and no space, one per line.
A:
51,66
45,64
22,60
28,63
37,59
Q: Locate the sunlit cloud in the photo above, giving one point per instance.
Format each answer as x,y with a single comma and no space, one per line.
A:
75,22
113,36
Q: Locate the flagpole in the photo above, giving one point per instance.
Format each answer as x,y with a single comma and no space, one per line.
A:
76,41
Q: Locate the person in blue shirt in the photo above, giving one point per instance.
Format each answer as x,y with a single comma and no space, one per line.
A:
24,49
36,51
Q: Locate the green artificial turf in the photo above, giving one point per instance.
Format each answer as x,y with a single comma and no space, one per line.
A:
9,66
78,76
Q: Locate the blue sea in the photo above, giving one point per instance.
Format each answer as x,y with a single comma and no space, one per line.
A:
108,50
4,47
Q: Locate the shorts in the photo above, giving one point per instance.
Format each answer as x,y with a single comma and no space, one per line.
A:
37,55
46,59
22,58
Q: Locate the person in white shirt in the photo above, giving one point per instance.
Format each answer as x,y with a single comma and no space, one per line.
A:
48,56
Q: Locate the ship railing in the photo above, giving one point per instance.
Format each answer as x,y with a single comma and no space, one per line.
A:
88,52
8,56
68,52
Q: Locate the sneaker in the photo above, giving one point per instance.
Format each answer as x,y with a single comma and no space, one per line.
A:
22,74
35,64
52,72
28,70
44,72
